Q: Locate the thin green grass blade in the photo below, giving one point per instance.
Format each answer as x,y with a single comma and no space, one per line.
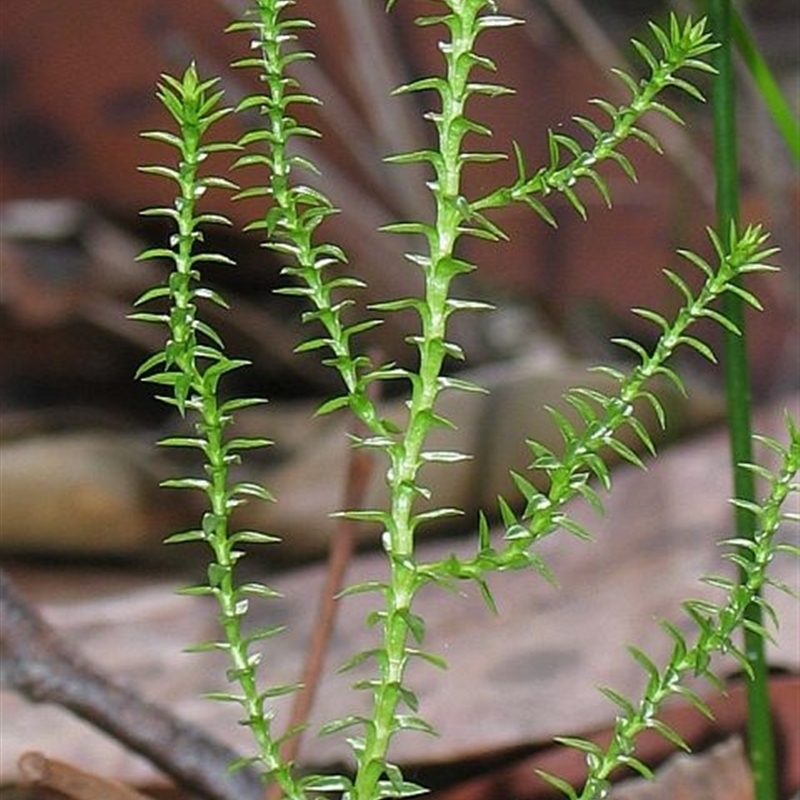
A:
774,99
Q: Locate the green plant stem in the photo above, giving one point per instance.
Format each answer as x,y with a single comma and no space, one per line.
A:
192,363
407,456
717,627
571,473
776,103
737,386
297,210
682,49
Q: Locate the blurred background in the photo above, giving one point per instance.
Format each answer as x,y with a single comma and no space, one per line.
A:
78,473
77,86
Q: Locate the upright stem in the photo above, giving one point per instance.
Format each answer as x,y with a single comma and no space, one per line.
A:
407,455
737,387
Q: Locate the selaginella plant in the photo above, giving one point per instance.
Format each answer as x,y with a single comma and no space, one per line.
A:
191,368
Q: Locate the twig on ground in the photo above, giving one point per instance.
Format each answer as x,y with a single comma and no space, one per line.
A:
45,669
72,782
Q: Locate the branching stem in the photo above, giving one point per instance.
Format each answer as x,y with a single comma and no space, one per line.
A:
718,626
